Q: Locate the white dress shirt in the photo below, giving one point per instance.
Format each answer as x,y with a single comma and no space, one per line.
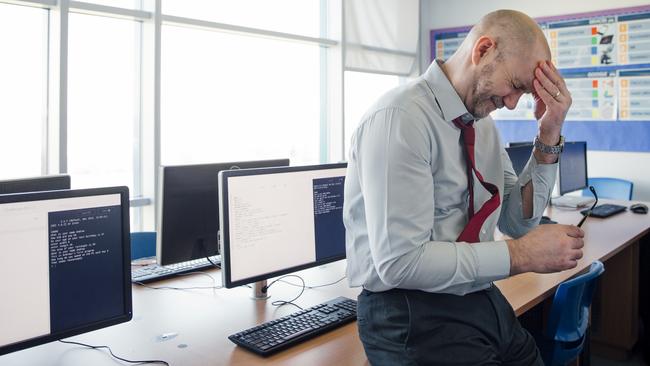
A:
406,195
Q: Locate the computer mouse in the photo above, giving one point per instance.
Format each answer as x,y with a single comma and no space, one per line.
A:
639,208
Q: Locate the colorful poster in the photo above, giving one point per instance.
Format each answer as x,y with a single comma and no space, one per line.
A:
447,43
634,91
634,39
583,43
593,94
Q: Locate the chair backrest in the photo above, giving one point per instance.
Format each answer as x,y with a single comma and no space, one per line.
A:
613,188
143,244
569,314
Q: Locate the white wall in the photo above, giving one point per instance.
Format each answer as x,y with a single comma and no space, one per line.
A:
444,14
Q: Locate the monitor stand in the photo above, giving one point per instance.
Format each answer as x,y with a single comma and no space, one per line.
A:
260,291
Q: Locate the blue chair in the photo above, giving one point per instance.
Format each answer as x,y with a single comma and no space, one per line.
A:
613,188
143,244
564,336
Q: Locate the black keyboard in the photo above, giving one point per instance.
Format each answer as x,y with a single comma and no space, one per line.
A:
605,210
154,272
276,335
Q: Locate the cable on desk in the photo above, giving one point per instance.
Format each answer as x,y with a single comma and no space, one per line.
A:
213,287
211,262
214,282
179,288
283,302
317,286
137,362
207,256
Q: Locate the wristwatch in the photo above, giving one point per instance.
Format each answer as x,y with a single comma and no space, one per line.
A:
548,149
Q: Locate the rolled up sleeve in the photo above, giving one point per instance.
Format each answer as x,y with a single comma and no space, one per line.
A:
542,176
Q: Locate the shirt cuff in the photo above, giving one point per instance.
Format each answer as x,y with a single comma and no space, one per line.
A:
493,260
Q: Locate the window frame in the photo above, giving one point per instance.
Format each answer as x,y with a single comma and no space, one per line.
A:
147,125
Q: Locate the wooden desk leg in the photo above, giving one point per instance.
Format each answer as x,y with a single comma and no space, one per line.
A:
616,310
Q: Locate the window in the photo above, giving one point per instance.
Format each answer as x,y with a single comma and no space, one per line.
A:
242,80
23,90
229,97
288,16
102,100
127,4
361,91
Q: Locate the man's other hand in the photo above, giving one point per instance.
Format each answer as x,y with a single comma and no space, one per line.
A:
545,249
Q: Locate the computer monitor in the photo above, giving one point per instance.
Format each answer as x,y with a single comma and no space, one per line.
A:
35,184
65,264
280,220
188,214
520,143
519,156
573,167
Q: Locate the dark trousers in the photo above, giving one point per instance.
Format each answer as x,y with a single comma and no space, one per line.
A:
409,327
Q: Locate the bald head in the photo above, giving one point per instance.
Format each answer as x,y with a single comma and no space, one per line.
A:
513,32
496,62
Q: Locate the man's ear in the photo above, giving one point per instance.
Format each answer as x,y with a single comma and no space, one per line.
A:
482,46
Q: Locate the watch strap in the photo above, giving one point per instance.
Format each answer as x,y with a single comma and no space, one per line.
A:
549,149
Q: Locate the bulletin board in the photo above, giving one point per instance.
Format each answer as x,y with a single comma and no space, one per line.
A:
604,57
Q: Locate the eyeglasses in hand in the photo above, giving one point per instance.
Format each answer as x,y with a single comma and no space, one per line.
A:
593,190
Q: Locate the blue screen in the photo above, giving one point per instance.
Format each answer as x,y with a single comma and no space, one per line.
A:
328,217
86,277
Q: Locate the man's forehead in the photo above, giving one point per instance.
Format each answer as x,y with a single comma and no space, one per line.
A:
525,75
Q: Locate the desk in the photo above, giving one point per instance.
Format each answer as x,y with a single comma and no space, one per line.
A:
204,318
615,242
604,238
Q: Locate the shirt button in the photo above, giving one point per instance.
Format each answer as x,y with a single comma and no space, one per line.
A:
483,231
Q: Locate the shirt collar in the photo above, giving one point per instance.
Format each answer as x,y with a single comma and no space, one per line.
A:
448,99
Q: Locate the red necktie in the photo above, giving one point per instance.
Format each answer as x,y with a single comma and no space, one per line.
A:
471,231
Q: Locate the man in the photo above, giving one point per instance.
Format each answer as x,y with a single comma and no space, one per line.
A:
426,185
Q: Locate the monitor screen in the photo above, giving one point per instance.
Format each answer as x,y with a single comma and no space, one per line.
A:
35,184
65,264
573,167
277,221
519,156
188,216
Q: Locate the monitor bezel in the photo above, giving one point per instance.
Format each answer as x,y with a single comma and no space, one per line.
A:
162,240
224,218
584,152
520,143
55,182
126,262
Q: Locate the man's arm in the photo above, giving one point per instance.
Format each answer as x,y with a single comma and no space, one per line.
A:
550,111
547,248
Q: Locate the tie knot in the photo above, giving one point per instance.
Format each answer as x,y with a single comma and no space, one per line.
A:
464,121
467,132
